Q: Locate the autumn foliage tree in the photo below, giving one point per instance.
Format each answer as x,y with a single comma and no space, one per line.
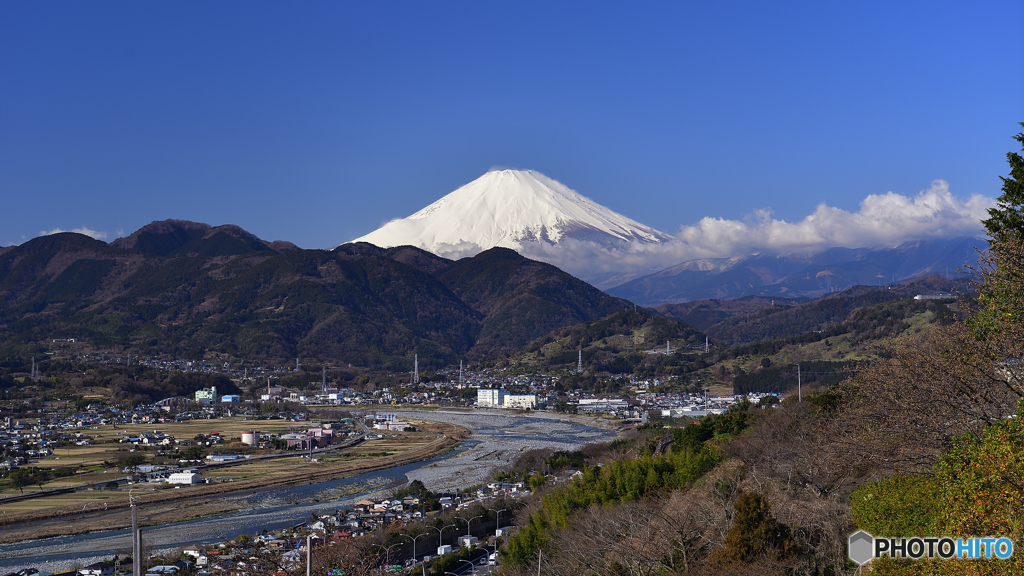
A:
955,397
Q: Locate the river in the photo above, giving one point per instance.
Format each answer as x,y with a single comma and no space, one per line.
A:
498,438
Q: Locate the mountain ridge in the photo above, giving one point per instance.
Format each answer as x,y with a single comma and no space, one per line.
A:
798,275
188,290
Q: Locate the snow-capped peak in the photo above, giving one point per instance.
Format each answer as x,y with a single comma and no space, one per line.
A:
511,209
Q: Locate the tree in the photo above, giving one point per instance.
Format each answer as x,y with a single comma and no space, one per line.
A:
195,453
131,463
535,481
21,478
977,488
755,532
1008,215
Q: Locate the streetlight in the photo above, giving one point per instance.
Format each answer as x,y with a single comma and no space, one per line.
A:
469,521
440,530
497,526
497,513
414,543
387,559
471,565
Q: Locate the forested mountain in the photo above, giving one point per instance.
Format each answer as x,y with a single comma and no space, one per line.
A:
616,344
185,289
800,275
181,237
754,318
522,299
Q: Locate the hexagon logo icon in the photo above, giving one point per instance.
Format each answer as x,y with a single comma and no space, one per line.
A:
861,547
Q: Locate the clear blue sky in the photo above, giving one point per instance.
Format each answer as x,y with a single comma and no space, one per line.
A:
316,122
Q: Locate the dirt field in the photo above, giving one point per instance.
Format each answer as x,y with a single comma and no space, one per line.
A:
89,460
90,510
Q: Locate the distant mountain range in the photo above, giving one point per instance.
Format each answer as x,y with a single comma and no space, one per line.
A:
759,318
185,289
800,276
544,220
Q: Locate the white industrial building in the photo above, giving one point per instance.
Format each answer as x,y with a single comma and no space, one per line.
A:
521,401
491,397
185,478
602,405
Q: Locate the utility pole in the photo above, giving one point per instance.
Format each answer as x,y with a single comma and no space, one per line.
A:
799,394
309,554
539,553
136,539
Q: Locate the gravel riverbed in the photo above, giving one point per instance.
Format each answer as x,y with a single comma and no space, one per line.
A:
498,439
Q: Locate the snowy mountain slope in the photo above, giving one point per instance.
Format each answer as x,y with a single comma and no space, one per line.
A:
518,209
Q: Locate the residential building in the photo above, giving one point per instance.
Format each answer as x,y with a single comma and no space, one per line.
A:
207,395
521,401
491,397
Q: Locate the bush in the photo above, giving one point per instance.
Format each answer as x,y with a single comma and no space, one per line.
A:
902,505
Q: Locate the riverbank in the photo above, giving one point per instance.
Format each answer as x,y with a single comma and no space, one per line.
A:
500,437
497,438
203,500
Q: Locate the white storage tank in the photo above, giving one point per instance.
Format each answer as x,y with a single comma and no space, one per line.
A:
251,437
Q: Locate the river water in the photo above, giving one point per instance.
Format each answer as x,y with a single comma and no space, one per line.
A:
497,439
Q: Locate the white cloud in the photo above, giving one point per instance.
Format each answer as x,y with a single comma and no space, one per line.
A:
80,230
883,220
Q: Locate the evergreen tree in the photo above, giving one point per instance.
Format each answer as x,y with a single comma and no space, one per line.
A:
1008,215
755,532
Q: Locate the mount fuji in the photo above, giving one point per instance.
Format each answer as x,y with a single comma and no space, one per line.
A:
532,214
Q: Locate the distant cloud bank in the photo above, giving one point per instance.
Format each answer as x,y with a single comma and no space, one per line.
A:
883,220
81,230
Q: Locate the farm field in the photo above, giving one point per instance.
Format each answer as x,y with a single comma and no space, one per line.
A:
92,509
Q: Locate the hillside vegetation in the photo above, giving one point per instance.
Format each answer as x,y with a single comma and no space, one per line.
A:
755,319
634,343
186,290
924,443
927,441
